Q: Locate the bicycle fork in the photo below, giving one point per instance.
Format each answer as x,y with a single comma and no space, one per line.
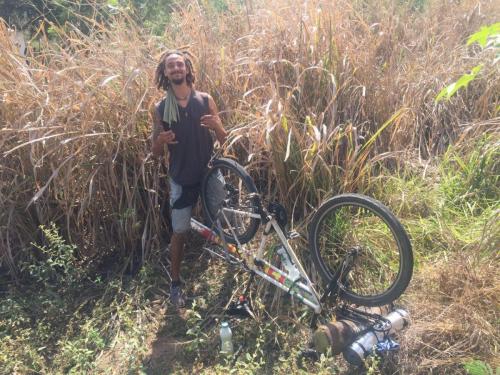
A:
336,285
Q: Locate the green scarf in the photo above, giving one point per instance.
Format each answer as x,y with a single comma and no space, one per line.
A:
171,111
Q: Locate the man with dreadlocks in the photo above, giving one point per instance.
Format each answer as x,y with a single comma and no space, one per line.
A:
182,121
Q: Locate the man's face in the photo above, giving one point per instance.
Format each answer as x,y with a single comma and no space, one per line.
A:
175,69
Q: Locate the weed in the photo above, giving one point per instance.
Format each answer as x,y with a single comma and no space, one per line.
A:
56,266
372,364
477,367
471,182
195,330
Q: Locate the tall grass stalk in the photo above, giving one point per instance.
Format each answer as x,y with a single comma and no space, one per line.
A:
305,90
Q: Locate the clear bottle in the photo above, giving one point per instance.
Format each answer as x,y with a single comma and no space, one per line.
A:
226,346
293,272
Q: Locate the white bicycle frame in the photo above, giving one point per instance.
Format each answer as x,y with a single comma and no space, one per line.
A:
303,291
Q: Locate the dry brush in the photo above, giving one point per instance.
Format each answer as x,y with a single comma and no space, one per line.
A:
315,95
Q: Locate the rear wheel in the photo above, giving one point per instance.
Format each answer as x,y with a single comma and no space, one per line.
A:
227,188
359,238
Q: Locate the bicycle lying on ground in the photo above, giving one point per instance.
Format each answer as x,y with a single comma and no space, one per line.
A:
359,248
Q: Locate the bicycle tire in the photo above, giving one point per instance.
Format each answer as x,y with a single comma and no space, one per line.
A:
380,226
235,180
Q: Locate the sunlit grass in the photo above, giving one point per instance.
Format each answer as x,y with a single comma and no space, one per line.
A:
376,266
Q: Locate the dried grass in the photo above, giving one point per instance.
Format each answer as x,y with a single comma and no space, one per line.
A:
302,89
455,305
74,141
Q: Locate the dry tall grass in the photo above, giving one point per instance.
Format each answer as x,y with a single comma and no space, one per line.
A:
314,94
455,313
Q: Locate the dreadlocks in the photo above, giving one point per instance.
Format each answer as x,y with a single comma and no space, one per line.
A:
161,81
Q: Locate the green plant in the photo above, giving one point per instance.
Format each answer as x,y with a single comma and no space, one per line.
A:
195,329
477,367
471,180
56,265
77,354
488,37
372,364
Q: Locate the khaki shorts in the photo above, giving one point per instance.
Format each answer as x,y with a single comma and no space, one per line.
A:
181,217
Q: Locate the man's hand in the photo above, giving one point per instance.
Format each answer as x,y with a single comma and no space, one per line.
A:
211,121
166,137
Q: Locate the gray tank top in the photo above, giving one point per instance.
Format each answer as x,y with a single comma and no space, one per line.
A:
189,157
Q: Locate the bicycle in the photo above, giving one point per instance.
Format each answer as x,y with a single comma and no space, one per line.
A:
359,248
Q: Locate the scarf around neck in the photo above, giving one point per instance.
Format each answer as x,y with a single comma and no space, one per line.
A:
171,111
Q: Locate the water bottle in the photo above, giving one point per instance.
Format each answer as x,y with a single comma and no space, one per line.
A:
293,272
226,342
359,349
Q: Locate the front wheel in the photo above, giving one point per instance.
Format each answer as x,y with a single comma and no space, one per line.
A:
358,238
228,193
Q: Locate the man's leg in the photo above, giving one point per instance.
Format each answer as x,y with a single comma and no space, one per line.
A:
176,254
181,223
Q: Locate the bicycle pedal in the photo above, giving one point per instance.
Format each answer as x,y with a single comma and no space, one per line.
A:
241,308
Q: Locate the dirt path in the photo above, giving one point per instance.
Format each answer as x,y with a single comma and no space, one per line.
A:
166,345
171,348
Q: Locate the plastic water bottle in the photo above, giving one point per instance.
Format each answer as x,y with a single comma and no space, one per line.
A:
226,339
293,272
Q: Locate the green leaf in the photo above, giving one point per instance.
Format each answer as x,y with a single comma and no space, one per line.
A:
391,121
445,92
481,37
284,123
463,81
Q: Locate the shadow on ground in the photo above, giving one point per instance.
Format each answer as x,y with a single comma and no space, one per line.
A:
209,285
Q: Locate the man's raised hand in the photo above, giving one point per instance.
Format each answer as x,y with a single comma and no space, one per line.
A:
210,121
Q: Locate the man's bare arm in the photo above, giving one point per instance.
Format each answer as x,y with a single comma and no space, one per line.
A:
160,137
213,121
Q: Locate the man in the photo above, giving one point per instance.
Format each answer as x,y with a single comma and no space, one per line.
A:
182,122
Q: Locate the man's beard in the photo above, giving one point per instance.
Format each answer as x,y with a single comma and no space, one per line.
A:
178,81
